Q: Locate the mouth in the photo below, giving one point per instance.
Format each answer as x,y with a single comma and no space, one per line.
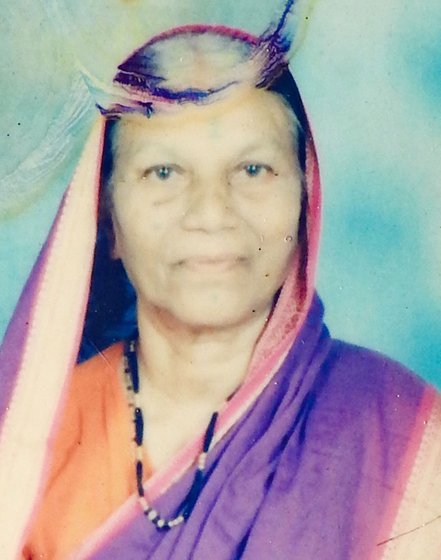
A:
221,263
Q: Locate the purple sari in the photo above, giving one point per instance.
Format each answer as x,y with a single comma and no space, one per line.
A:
308,472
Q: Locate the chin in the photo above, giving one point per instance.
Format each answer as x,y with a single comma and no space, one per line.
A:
200,315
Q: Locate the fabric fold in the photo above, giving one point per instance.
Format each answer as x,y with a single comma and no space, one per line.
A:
54,322
319,467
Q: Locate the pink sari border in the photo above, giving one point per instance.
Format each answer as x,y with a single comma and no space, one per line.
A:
425,410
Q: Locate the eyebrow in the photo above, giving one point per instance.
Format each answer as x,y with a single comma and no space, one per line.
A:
165,152
153,151
272,145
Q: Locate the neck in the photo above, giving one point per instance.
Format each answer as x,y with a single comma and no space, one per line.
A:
185,366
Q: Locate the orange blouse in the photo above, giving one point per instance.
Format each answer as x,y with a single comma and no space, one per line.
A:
92,471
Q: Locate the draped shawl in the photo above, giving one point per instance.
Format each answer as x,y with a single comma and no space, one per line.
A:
326,451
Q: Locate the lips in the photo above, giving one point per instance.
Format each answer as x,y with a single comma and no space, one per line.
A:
211,262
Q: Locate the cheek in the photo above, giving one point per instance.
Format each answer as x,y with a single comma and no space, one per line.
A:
137,240
135,219
141,254
278,218
277,228
144,237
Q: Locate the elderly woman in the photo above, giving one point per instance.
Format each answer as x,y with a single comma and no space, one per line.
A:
229,424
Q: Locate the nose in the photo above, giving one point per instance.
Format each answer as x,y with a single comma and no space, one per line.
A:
209,206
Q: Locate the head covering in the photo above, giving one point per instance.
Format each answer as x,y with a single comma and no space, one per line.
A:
41,344
111,313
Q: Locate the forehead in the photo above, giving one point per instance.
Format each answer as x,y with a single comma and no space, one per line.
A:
245,117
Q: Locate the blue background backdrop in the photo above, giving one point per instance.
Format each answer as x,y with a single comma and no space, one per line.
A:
370,74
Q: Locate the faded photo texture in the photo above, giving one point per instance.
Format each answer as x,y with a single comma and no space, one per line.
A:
370,76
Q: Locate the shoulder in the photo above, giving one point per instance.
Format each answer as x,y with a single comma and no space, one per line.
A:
371,391
371,375
96,383
97,369
374,406
93,386
102,361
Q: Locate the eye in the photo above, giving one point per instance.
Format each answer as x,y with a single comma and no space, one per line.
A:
161,172
251,173
254,169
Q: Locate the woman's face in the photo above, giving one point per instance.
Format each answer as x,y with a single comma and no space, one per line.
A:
206,203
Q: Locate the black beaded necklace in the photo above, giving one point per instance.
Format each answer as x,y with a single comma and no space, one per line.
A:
132,380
